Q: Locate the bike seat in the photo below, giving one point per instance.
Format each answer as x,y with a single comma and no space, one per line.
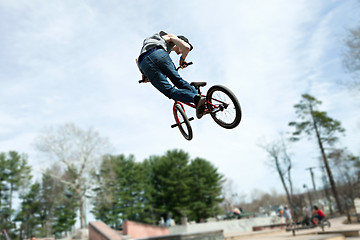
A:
198,84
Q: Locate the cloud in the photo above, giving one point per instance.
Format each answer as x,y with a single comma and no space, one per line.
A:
72,61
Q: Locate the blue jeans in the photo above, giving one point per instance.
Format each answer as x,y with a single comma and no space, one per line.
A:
157,67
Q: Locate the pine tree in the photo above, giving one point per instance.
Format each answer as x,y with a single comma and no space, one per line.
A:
205,187
318,124
171,182
30,213
14,175
121,193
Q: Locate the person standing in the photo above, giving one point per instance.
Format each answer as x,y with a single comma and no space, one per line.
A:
287,215
306,215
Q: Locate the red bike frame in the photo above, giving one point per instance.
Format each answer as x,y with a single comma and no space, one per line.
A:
194,106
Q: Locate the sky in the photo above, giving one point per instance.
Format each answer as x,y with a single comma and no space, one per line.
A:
66,61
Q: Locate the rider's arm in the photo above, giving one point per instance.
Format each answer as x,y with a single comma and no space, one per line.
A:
181,44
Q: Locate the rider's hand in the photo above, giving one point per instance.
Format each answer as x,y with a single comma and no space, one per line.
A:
145,79
183,63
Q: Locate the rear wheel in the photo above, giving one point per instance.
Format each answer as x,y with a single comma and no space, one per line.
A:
324,223
224,107
183,122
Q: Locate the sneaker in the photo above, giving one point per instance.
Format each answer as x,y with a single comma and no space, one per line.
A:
200,107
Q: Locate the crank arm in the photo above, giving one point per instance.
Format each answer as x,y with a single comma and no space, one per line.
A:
176,124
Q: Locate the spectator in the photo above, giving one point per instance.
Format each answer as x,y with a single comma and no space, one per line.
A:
287,215
170,222
162,222
306,216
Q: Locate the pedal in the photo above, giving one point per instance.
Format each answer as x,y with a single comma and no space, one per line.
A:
176,125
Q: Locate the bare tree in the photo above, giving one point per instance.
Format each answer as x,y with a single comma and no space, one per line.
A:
280,160
229,195
345,171
78,151
262,202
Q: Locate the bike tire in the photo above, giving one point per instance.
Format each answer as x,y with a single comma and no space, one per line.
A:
328,223
324,224
224,106
183,122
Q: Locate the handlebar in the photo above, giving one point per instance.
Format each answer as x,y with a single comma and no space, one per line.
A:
187,64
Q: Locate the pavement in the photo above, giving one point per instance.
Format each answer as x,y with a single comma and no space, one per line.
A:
337,231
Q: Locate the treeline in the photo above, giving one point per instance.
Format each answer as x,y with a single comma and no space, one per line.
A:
341,175
44,208
122,189
159,186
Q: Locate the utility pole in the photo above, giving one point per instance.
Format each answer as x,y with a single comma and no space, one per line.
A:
313,181
309,195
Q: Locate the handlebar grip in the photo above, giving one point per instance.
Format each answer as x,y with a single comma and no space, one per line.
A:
189,63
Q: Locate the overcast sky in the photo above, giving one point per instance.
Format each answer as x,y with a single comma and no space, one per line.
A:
74,61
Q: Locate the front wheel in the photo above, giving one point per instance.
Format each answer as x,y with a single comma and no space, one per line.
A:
324,223
183,122
224,107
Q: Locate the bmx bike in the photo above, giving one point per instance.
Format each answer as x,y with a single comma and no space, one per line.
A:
221,103
322,224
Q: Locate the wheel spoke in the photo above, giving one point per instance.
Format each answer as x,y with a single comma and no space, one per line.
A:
224,107
225,110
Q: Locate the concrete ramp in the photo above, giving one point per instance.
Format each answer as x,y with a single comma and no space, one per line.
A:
100,231
346,233
211,235
276,235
